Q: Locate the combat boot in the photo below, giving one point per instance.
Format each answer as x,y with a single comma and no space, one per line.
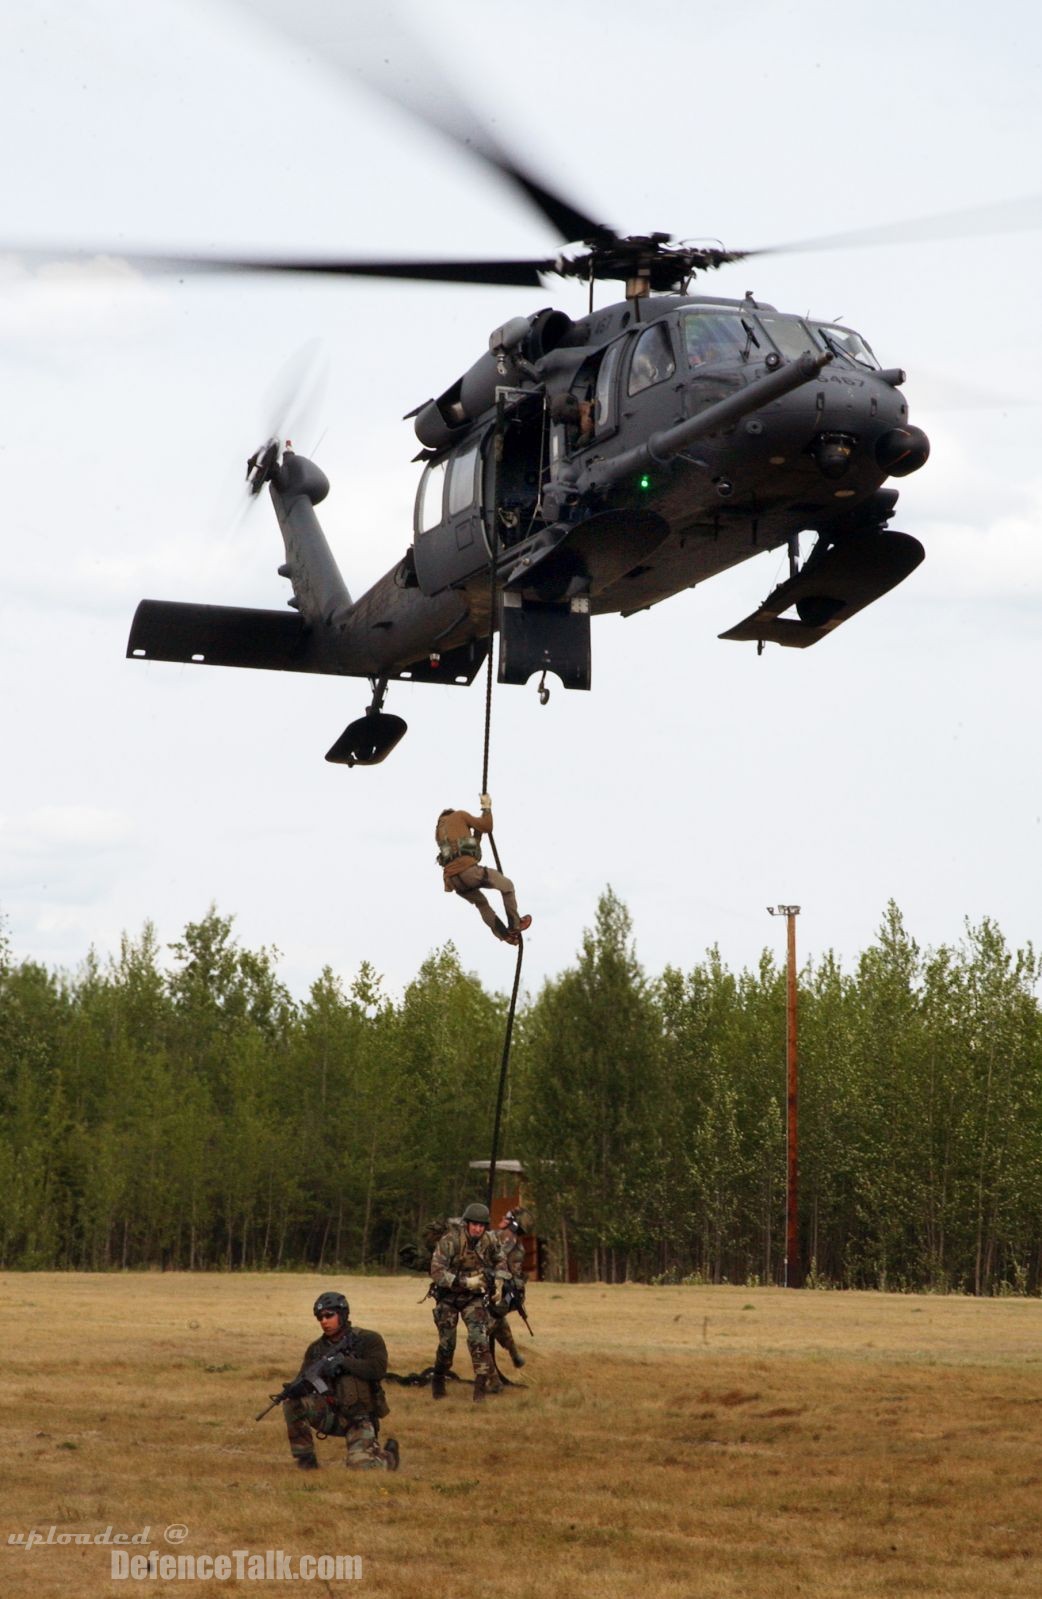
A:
517,1357
438,1381
308,1462
392,1452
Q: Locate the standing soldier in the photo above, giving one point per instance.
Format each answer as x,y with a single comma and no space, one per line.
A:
467,1262
515,1224
353,1363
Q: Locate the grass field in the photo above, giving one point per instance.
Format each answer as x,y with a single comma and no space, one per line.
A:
719,1442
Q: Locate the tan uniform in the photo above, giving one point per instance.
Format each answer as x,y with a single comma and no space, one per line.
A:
464,875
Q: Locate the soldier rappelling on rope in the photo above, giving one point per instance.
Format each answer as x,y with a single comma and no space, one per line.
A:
458,836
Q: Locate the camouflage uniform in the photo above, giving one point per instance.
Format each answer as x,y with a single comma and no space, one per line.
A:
514,1254
354,1408
455,1257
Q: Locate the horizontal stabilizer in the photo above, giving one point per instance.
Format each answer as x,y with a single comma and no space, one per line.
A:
219,635
828,591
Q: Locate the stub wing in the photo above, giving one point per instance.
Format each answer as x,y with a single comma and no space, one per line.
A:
828,591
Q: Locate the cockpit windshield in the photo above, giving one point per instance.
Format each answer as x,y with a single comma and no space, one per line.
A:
712,336
844,341
789,334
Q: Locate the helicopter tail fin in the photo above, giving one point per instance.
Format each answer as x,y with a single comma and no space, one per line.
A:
296,486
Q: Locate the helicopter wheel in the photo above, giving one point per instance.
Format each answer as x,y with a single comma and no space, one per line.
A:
369,740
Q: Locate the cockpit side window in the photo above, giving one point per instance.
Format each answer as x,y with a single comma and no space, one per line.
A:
652,359
711,337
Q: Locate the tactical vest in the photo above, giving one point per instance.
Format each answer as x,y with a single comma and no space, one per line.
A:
470,1255
450,849
470,1258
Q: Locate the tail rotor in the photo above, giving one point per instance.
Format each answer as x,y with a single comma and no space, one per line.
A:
291,408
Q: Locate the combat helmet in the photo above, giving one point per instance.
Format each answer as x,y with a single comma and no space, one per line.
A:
519,1220
333,1301
476,1213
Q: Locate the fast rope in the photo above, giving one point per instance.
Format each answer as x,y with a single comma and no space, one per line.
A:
494,552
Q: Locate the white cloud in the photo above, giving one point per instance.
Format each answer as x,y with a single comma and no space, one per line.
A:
77,301
65,827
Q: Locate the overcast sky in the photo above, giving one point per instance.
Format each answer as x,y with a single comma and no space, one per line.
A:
898,758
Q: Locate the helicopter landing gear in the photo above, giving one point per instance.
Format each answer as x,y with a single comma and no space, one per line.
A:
544,692
370,739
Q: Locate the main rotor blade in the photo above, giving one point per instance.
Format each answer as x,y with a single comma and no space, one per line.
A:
521,274
1003,216
449,115
390,61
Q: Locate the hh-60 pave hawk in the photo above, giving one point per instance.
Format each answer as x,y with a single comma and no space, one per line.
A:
590,465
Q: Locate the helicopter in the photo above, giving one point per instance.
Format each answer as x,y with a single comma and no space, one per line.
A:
584,466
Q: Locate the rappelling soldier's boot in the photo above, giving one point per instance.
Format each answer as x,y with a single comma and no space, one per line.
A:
524,923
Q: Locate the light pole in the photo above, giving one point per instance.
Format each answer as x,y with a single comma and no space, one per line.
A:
793,1269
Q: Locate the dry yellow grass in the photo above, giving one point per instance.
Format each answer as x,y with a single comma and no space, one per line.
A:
722,1442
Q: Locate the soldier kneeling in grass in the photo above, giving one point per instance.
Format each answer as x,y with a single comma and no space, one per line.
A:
338,1392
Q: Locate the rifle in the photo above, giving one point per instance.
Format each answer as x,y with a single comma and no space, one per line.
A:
317,1378
514,1299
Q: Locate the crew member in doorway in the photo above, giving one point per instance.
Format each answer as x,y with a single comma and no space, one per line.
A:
458,836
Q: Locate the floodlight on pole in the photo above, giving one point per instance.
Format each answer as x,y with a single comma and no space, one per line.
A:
793,1270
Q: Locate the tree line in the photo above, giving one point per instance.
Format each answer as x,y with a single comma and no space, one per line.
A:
190,1113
